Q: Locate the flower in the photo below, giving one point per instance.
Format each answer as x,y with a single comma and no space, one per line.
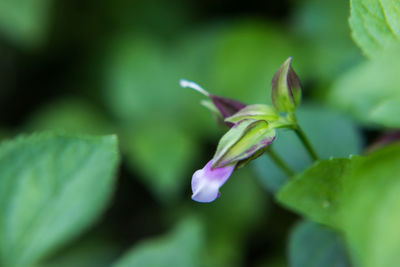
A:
249,135
207,181
245,141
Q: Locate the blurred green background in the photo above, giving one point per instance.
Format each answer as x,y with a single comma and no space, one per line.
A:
101,67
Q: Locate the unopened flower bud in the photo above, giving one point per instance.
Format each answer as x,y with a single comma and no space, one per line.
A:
242,141
286,88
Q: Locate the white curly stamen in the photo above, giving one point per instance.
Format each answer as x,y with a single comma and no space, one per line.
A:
189,84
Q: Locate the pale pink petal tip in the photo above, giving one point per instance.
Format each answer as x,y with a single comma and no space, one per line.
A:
206,182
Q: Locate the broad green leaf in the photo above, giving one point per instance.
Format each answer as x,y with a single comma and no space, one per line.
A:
357,196
182,247
52,187
370,214
25,21
317,192
332,134
163,155
392,14
375,25
312,245
370,91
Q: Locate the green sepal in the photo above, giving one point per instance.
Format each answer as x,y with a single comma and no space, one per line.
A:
242,141
286,88
259,153
256,112
261,112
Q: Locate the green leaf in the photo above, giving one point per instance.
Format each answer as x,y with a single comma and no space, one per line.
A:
392,12
317,191
163,155
370,213
357,196
25,21
52,187
332,135
182,247
370,92
312,245
375,25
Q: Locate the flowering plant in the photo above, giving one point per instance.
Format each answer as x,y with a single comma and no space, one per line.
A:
252,131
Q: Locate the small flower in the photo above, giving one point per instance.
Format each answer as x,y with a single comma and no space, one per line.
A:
286,88
245,141
207,181
252,130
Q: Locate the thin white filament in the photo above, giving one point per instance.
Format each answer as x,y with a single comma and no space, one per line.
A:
189,84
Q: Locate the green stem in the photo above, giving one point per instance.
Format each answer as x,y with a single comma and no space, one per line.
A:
280,162
300,133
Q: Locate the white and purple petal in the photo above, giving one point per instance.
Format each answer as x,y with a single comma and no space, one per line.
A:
206,182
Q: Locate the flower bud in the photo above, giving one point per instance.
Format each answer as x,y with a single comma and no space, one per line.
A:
286,88
242,141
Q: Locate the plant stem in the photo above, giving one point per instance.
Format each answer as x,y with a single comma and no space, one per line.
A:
300,133
280,162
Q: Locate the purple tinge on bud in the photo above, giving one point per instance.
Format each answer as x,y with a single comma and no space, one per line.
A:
286,88
227,106
207,181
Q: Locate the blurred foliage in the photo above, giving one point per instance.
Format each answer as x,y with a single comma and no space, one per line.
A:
357,197
356,91
241,209
95,251
42,175
25,21
375,25
103,67
182,247
316,246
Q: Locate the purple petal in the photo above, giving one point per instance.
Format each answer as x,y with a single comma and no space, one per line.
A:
206,182
227,106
